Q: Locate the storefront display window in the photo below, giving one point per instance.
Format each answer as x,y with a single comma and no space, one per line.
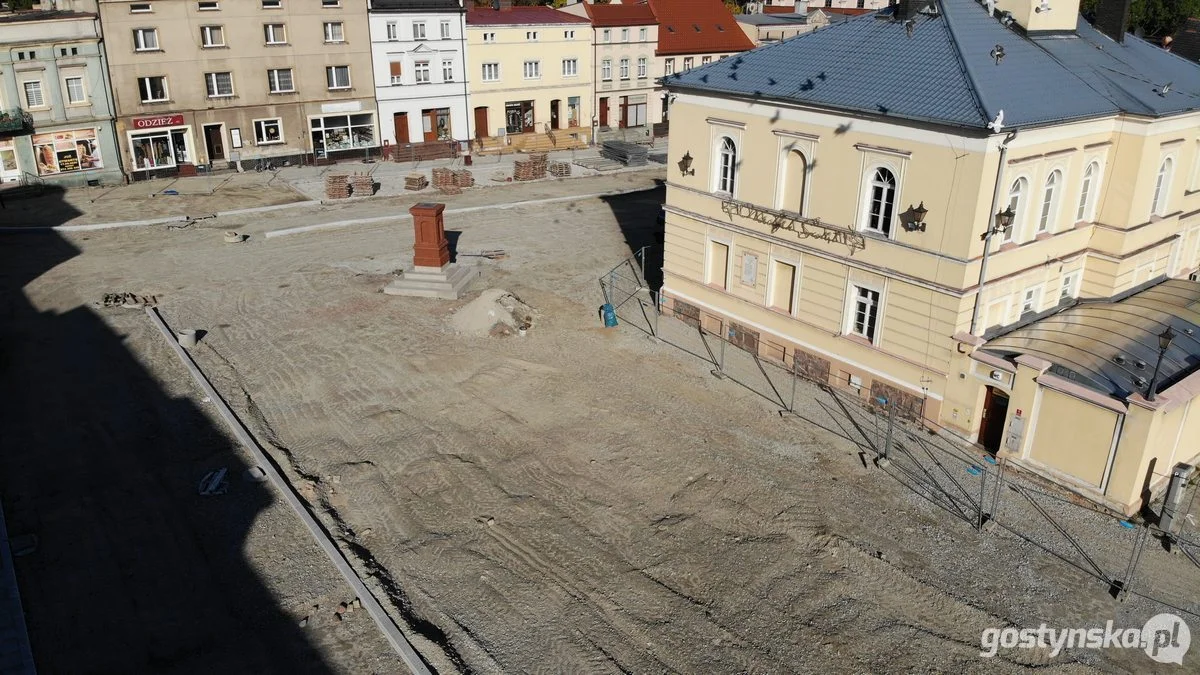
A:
573,111
67,151
159,149
8,162
343,132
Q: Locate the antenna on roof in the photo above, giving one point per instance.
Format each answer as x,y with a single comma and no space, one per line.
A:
909,26
997,53
1166,89
1044,6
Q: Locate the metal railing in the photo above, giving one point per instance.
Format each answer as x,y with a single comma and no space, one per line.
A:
15,119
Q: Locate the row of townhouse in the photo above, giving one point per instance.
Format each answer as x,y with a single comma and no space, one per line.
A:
102,90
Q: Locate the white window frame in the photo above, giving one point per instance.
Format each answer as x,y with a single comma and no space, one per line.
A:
872,325
331,79
606,34
391,31
328,27
606,70
570,67
669,67
212,82
708,258
141,8
533,66
623,69
725,165
208,6
688,62
444,30
531,36
421,72
568,35
1088,189
41,94
624,35
495,72
1069,285
447,71
139,40
83,98
1032,299
269,34
206,36
642,33
1161,199
418,28
794,291
331,3
272,4
1048,213
642,66
165,88
260,126
1020,198
886,227
705,60
489,37
273,80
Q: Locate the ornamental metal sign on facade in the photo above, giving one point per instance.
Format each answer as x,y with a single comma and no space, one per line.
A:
805,228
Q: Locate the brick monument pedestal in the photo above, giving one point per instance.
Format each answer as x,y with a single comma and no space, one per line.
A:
432,274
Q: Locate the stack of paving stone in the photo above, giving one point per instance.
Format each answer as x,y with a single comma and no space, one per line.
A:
629,154
560,169
362,185
529,169
443,177
463,179
336,186
416,181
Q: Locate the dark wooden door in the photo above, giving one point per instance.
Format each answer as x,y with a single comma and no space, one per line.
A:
554,114
429,125
604,111
215,142
991,427
481,123
401,122
624,112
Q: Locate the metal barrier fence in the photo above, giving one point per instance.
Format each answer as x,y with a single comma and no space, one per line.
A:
966,483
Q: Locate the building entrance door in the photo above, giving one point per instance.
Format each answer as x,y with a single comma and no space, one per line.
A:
554,113
400,122
481,123
991,426
604,111
214,142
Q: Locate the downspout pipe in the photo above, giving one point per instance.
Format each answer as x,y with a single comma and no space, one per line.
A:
462,41
991,230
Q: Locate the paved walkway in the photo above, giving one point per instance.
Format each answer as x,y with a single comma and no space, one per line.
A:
202,196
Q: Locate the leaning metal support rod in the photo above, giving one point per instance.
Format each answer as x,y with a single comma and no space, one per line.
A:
987,241
1099,572
388,627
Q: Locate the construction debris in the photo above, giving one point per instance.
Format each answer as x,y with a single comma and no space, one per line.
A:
533,168
129,300
493,254
560,169
629,154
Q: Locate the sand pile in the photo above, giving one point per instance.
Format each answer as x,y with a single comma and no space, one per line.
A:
494,312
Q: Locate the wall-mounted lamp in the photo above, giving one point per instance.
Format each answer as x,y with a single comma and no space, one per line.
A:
685,165
915,218
1003,221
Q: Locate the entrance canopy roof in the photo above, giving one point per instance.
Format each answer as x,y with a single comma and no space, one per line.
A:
1113,346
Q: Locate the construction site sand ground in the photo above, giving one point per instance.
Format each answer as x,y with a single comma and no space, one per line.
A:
577,499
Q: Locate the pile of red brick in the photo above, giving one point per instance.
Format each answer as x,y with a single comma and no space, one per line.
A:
337,186
463,178
529,169
443,177
560,169
416,181
362,185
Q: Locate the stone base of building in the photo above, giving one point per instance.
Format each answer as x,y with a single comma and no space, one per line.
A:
446,282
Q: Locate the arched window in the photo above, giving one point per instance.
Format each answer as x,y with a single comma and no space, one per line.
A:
726,166
1016,202
1162,188
1084,212
882,201
1049,202
796,177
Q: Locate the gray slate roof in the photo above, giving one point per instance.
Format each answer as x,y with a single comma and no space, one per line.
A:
944,72
771,19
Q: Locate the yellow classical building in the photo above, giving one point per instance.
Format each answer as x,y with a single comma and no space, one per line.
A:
530,79
995,230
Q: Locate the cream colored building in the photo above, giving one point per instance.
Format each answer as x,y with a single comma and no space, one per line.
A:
529,75
796,230
216,81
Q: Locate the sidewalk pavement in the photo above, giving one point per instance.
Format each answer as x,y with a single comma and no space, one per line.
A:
163,200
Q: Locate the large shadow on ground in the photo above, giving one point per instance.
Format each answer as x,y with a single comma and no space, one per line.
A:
134,571
639,215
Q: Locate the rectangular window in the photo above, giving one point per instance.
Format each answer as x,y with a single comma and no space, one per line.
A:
274,34
624,35
718,264
445,30
280,81
268,131
272,4
688,62
606,70
139,8
533,70
491,72
342,132
641,34
153,89
624,69
642,66
570,67
1032,301
421,72
392,33
334,32
447,71
489,37
607,35
418,30
145,39
705,60
669,67
33,94
212,36
397,72
749,269
783,287
866,313
208,6
331,3
219,84
75,93
1070,286
568,35
337,77
531,35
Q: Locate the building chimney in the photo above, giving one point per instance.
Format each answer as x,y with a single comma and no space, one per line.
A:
1112,18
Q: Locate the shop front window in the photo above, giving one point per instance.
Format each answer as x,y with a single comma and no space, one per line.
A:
343,132
8,162
518,116
573,111
67,151
159,149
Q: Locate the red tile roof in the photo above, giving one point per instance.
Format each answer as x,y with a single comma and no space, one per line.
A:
697,27
620,15
778,9
520,16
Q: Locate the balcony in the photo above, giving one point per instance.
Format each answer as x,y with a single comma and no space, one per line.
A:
15,122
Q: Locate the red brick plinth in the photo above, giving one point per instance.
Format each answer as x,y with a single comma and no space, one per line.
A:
431,248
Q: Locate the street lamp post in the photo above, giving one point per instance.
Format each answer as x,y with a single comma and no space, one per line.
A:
1164,343
1001,223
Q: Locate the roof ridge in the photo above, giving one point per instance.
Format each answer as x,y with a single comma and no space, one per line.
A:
963,65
